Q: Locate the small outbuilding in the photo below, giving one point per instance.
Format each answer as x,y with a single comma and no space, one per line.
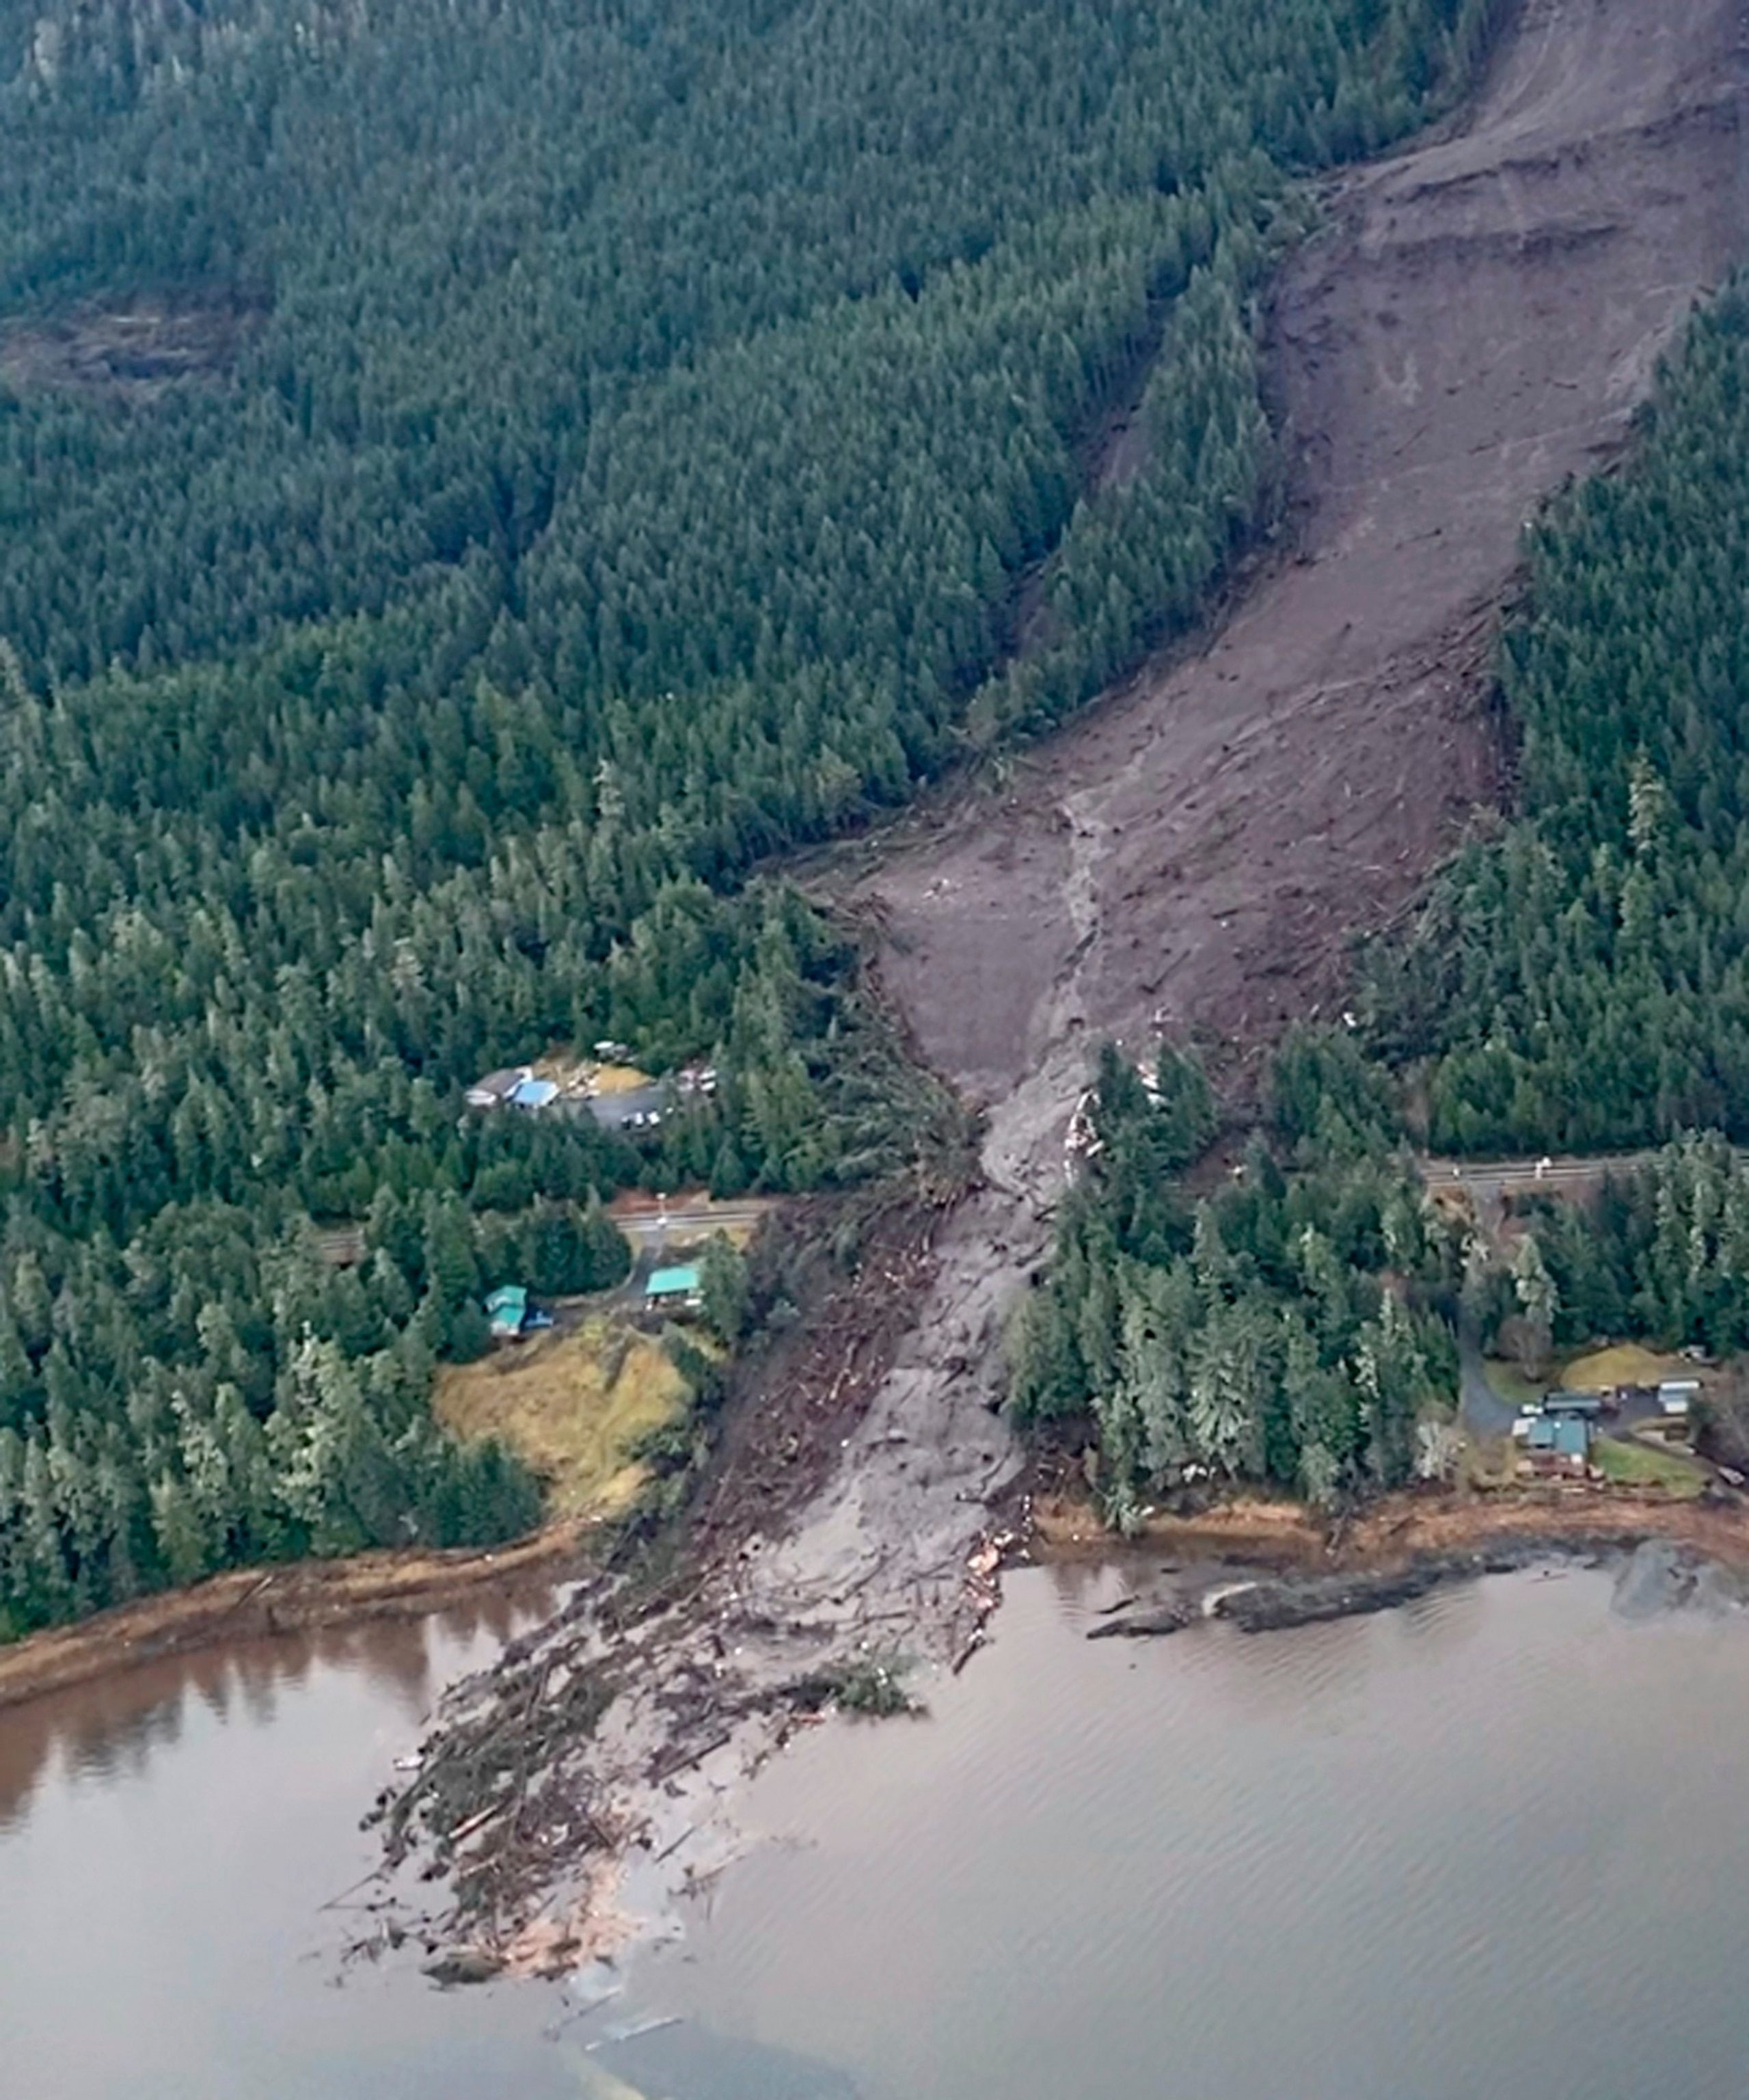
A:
507,1311
1674,1422
1676,1397
533,1093
1589,1405
673,1290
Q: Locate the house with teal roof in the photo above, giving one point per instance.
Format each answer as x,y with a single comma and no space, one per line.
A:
507,1311
673,1290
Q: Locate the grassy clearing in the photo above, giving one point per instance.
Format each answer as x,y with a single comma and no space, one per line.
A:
1634,1465
609,1078
572,1404
1626,1364
1506,1382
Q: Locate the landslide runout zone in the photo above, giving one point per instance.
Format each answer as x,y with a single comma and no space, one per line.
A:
1478,321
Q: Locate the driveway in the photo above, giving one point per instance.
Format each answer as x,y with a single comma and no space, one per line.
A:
1485,1414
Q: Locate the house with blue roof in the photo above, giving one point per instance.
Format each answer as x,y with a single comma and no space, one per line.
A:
509,1315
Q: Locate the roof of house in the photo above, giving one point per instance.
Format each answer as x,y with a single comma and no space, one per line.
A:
1573,1402
532,1093
1568,1436
671,1282
508,1298
499,1086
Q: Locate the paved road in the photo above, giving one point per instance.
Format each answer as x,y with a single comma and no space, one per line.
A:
1485,1414
646,1227
1544,1173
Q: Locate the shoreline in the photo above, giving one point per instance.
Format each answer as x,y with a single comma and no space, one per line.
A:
879,1524
664,1788
1268,1567
249,1603
1194,854
1283,1541
1287,1538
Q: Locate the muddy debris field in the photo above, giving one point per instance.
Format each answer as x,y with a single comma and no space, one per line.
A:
1476,323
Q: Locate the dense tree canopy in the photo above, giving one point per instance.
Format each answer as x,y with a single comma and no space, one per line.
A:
1284,1329
1585,982
473,480
1663,1253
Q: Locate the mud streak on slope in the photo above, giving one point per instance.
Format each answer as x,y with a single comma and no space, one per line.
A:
1477,324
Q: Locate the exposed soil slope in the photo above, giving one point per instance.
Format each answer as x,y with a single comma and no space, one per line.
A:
1478,322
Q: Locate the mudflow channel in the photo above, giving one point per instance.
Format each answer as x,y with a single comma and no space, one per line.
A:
1476,323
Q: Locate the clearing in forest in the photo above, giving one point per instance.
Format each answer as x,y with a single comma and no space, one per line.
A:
573,1404
1624,1363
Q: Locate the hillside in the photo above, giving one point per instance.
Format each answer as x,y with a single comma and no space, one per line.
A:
472,482
1573,980
1202,856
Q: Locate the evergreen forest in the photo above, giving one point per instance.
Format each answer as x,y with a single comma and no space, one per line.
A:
1582,983
1578,981
1292,1326
474,482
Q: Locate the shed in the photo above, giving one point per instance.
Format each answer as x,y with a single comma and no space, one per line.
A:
507,1311
1676,1396
1573,1403
533,1093
670,1289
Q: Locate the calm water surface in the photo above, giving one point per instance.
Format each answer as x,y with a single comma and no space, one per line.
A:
167,1841
1491,1846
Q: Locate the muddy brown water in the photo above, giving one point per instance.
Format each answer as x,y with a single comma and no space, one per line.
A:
1488,1845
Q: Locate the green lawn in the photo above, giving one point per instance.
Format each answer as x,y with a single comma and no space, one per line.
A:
1635,1465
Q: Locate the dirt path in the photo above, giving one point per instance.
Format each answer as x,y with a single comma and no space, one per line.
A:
1478,323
